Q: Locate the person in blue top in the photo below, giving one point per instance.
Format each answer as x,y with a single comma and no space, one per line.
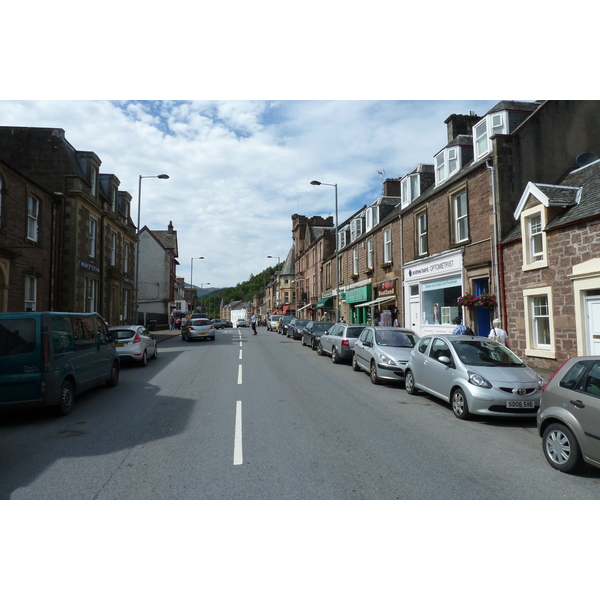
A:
460,329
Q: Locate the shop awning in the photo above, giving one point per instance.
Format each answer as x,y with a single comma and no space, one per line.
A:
383,300
286,307
323,302
305,306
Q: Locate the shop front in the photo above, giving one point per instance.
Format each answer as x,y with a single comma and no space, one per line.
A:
381,311
325,308
355,296
432,287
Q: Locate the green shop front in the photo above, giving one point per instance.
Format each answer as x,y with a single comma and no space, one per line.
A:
356,296
325,305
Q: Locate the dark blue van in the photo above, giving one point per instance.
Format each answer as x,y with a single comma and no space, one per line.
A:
47,358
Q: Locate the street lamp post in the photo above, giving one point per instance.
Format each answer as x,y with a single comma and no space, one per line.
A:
192,278
137,249
337,262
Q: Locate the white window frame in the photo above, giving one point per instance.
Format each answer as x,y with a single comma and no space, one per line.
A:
387,245
343,237
411,188
90,301
33,216
531,259
371,217
113,249
30,292
422,246
447,162
355,260
356,228
482,132
370,253
92,238
440,168
458,220
533,345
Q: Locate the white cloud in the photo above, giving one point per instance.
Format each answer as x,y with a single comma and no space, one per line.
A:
239,169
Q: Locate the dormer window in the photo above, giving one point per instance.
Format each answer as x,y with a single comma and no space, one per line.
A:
411,188
356,228
482,132
447,162
343,237
371,217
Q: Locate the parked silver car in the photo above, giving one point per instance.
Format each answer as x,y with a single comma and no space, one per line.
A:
338,342
383,352
272,321
134,342
475,375
198,329
569,416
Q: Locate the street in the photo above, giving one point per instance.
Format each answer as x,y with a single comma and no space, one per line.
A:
261,417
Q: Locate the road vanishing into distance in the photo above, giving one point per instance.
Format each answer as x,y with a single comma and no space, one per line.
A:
263,417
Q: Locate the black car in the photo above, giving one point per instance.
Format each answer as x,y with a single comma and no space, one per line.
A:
296,327
283,324
313,330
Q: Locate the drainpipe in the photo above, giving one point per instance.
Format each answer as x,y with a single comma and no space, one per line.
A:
497,286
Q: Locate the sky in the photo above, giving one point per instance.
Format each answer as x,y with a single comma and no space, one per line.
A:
238,169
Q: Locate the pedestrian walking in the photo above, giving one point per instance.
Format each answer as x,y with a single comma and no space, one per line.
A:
497,333
253,320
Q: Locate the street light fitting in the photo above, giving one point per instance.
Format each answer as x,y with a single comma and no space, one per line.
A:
162,176
315,183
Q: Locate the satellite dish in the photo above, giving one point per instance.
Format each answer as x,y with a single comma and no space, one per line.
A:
586,158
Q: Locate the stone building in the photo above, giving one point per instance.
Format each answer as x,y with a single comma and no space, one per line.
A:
26,243
93,237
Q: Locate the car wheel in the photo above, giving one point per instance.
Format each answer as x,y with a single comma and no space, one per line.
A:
144,360
458,401
320,349
66,398
155,355
373,373
355,366
409,384
334,356
561,448
114,375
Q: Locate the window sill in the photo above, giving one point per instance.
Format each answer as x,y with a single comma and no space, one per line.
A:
535,265
536,352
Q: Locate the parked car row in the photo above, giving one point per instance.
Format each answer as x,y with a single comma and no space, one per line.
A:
475,376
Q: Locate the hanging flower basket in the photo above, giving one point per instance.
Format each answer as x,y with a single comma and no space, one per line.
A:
485,300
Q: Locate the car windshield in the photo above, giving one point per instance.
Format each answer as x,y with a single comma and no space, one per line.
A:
321,326
396,339
485,353
300,322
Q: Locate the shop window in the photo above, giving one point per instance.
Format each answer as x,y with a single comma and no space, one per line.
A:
440,301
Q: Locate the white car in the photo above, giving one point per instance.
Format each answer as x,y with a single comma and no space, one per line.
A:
134,342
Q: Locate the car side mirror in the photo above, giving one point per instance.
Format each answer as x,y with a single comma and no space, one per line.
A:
445,361
368,344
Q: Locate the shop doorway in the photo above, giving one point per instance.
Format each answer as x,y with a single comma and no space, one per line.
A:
483,316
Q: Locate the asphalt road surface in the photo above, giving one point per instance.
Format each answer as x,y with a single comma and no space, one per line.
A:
262,417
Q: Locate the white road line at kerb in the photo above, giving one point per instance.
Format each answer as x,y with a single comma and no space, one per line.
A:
238,458
239,374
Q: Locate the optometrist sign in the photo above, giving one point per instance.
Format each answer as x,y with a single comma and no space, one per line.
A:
440,267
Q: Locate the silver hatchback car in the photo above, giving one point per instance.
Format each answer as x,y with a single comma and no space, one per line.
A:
475,375
198,329
134,342
383,352
339,341
569,416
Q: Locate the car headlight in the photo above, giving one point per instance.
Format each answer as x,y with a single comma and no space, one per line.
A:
478,380
541,382
386,360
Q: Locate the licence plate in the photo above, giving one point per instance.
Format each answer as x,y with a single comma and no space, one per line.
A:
120,345
202,333
520,404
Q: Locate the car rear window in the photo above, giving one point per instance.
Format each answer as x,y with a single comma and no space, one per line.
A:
17,336
122,334
354,332
200,322
570,380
